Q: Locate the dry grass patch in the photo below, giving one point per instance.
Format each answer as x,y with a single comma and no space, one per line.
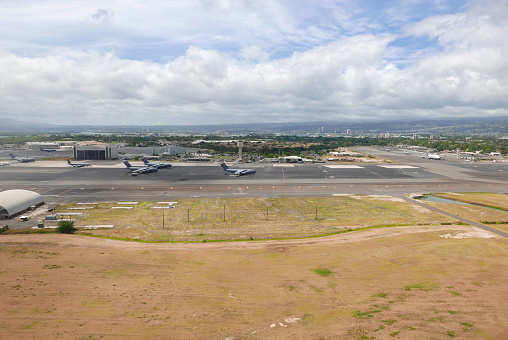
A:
205,219
408,286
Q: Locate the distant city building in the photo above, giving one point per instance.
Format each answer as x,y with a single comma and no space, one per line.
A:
168,150
36,145
291,159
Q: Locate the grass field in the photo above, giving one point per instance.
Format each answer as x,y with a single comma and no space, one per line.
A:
199,219
480,209
391,283
482,198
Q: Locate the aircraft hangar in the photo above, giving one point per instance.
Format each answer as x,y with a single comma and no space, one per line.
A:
15,202
95,152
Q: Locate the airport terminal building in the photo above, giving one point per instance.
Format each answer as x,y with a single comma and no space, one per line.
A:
16,202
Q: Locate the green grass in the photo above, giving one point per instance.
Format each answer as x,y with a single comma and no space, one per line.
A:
425,286
322,271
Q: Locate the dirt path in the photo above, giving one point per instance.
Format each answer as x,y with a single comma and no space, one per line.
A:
355,236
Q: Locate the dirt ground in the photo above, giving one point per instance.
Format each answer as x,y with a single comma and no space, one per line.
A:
422,282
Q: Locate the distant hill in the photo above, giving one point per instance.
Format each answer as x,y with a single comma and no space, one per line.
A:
466,126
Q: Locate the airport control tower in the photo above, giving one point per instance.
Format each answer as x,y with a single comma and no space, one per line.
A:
240,146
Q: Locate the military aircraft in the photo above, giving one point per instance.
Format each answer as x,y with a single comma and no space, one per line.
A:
48,150
78,165
237,172
136,170
22,160
158,165
4,163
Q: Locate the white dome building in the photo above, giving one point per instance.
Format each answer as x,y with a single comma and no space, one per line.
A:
15,202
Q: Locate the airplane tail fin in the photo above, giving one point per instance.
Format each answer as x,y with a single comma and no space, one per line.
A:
12,156
69,161
145,160
127,164
224,166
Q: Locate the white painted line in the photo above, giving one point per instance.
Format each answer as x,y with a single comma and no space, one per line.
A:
80,226
167,202
398,166
81,208
167,207
122,207
284,165
90,203
127,202
344,166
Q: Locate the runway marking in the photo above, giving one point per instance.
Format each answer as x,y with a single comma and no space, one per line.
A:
344,166
64,192
283,177
284,165
396,166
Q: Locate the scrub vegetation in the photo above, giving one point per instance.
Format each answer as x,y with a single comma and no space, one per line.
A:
200,219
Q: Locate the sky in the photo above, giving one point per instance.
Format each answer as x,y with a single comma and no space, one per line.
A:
195,62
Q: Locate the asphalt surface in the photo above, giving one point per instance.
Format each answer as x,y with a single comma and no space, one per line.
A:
110,180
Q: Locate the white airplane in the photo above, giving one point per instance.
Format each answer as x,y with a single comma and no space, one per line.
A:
237,172
78,165
22,160
4,163
158,165
433,156
137,170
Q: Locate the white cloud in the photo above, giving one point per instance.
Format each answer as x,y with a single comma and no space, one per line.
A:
319,74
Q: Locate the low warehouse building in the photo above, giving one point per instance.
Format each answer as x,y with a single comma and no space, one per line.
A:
15,202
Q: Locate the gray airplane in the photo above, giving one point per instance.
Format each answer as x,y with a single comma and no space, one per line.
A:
158,165
22,160
137,170
78,165
237,172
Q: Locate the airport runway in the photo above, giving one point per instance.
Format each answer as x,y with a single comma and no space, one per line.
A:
109,180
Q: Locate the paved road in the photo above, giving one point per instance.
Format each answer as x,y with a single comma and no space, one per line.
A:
457,217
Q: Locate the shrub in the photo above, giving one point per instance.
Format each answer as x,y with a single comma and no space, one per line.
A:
65,227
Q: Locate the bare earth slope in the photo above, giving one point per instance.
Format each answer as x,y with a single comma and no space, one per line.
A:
406,282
